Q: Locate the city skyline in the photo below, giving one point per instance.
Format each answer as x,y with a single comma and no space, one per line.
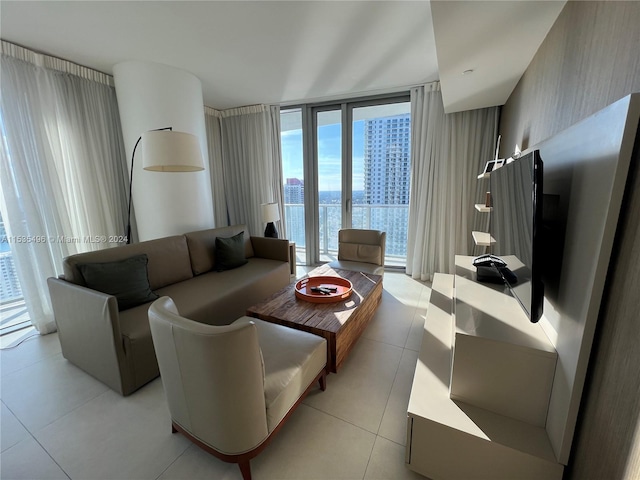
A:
330,154
380,194
330,161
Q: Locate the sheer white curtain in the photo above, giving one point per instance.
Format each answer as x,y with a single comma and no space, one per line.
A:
248,167
63,172
447,153
213,126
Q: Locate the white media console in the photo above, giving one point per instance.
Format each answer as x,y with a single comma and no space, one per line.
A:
495,396
481,388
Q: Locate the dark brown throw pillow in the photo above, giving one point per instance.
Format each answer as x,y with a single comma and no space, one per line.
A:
230,252
127,280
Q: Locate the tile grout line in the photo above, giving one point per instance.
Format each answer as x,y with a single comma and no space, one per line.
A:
377,433
189,446
64,414
32,435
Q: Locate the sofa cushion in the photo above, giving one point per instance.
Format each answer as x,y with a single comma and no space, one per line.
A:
202,246
230,252
169,260
126,279
219,298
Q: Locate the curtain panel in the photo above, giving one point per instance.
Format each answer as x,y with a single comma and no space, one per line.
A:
246,164
447,153
213,126
63,171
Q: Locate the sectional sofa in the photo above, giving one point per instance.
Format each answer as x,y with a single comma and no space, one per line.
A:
108,335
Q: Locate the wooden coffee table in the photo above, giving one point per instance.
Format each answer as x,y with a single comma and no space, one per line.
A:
340,323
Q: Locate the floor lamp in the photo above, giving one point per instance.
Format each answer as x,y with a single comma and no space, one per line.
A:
164,150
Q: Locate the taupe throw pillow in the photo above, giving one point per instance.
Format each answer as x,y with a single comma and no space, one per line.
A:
230,252
127,280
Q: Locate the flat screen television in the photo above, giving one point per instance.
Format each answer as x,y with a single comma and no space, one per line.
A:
516,227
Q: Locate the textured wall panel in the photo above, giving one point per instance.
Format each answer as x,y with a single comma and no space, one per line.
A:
591,58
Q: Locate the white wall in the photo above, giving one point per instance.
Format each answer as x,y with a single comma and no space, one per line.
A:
152,96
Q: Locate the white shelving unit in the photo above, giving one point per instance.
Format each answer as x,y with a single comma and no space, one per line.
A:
459,426
483,239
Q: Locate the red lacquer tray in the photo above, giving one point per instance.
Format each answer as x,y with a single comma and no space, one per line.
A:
342,285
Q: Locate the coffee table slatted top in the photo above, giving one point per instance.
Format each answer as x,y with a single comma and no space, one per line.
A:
341,323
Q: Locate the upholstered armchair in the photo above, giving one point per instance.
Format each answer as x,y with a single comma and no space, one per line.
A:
230,388
361,250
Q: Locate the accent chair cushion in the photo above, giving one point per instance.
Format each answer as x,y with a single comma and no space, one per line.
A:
358,245
356,252
127,280
291,360
230,252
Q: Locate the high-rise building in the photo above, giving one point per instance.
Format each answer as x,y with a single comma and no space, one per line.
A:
294,191
387,160
387,163
9,283
383,202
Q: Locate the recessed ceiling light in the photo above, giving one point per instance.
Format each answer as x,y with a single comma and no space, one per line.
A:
467,72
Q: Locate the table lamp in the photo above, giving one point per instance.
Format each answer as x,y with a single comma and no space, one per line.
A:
270,214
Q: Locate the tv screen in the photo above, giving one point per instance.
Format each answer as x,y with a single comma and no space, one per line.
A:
516,226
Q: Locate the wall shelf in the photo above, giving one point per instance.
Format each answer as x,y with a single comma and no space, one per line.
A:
483,239
483,208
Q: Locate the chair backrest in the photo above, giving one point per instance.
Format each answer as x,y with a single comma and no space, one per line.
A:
358,245
213,378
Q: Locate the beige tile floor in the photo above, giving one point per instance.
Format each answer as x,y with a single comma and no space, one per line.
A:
58,422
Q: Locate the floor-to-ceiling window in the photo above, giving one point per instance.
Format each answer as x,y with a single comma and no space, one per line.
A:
332,195
347,165
381,156
13,312
294,179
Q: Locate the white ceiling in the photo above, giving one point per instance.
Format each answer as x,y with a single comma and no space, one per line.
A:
494,39
251,52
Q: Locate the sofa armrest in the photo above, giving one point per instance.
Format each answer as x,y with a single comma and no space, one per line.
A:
271,248
89,330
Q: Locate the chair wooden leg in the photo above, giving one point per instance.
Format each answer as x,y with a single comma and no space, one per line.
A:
245,470
323,381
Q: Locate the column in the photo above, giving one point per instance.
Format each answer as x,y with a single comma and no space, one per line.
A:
152,96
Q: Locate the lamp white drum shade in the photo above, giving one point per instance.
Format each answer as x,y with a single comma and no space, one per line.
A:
151,95
169,151
270,212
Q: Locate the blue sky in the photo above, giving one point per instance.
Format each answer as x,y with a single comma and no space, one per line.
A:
329,158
